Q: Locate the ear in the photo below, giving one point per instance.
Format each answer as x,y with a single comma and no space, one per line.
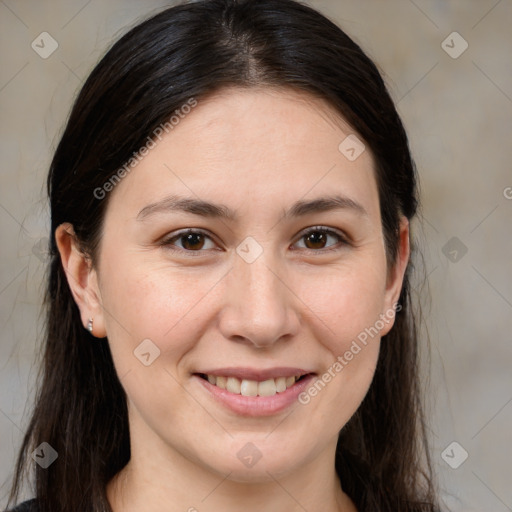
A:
396,276
82,279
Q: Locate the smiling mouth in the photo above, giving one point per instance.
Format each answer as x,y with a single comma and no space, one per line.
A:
246,387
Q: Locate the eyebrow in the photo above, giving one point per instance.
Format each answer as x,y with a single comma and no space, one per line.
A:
203,208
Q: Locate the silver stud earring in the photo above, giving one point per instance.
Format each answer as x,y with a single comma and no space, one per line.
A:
89,325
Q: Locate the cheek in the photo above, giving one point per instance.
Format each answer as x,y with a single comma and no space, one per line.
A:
164,304
347,306
170,308
347,301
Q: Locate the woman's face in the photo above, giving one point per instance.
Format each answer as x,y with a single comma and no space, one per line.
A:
258,294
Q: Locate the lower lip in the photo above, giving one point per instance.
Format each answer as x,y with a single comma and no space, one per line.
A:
256,405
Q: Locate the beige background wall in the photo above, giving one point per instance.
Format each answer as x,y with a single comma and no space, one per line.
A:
458,113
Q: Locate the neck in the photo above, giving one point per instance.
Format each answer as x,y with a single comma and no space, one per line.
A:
161,479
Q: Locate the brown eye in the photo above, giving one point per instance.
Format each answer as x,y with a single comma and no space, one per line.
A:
188,241
192,241
317,239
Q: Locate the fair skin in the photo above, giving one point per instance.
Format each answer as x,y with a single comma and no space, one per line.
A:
297,305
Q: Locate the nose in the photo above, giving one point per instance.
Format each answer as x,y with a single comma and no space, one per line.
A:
260,307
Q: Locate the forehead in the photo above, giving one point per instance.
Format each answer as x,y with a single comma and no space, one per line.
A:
256,146
281,118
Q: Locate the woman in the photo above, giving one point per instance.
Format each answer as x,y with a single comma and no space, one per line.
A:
229,319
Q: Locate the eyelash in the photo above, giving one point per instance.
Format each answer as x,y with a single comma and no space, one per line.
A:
168,242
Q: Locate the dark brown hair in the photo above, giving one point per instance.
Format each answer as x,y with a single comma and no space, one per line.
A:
193,50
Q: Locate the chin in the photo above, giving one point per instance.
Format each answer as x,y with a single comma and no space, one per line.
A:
261,472
254,459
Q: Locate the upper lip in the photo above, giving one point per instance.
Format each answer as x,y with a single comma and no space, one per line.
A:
255,373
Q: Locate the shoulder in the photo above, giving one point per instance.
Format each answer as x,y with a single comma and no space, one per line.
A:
26,506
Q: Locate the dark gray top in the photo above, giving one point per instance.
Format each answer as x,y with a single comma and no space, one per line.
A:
26,506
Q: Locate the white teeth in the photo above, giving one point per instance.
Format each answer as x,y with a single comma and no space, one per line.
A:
267,388
290,381
221,382
247,387
233,385
281,384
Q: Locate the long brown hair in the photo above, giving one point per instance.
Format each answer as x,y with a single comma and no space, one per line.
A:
193,50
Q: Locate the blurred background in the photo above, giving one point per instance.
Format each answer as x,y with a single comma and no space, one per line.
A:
448,67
